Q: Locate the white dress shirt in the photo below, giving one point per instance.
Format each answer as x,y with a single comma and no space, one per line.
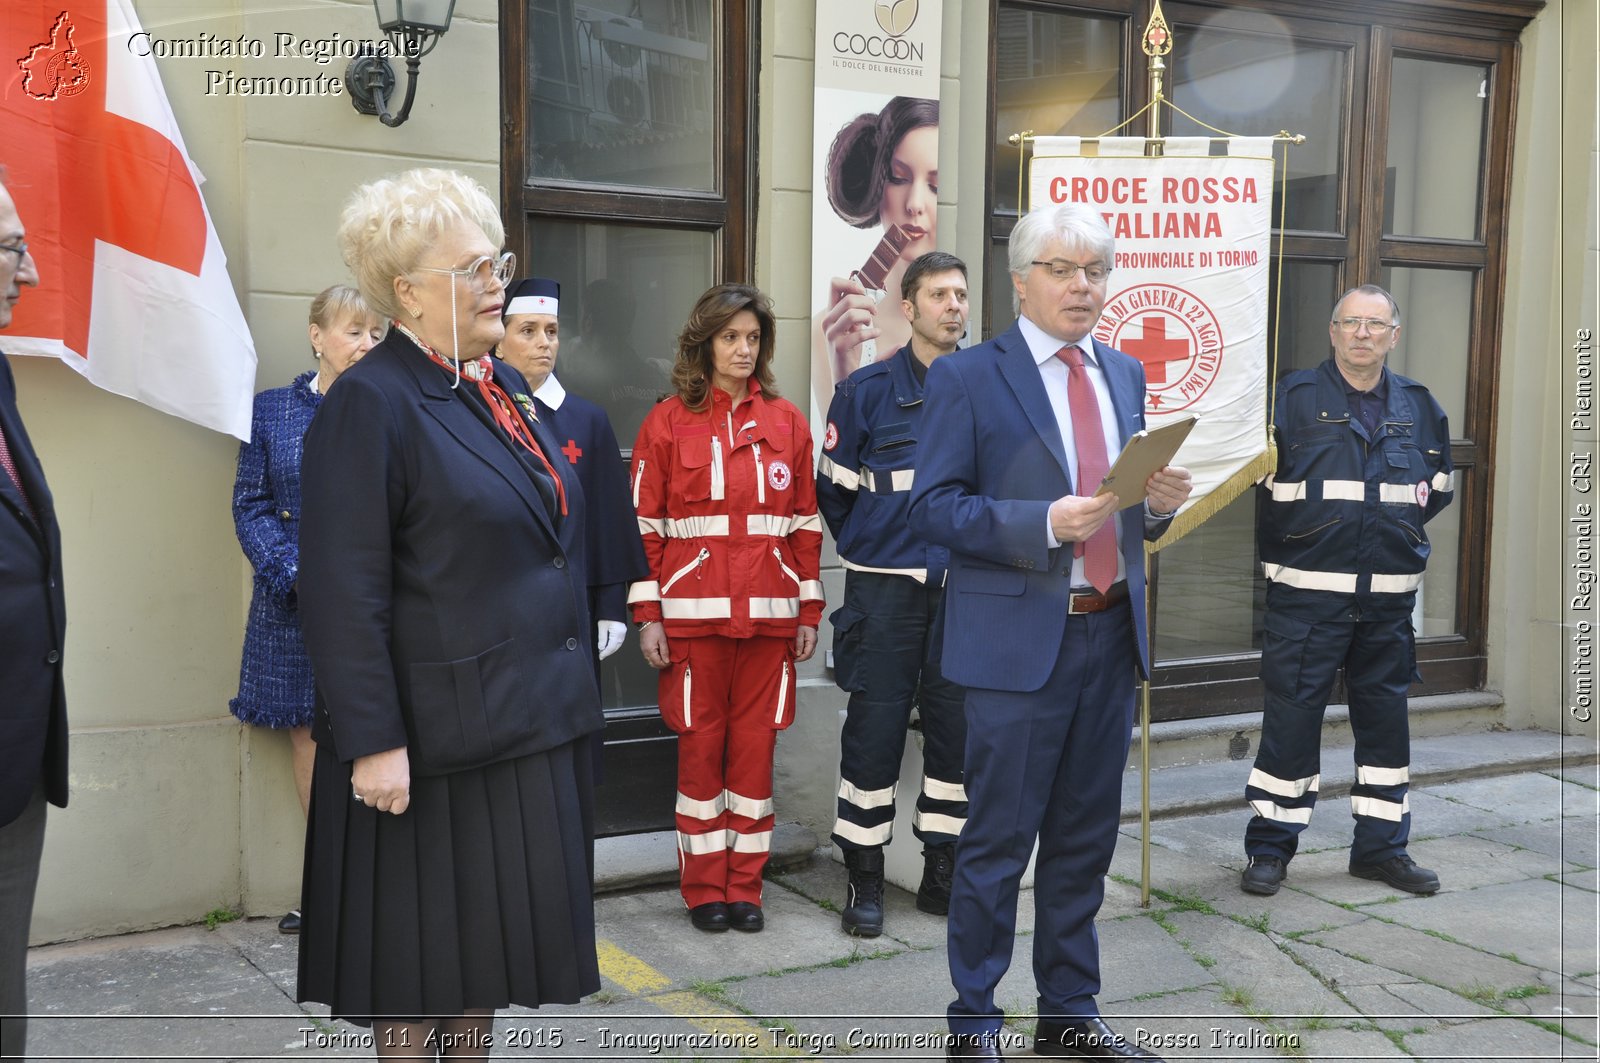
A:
1053,372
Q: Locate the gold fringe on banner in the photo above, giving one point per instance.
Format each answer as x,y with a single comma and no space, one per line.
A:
1231,488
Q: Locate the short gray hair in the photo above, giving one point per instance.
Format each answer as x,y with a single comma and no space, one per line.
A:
1072,224
1369,289
389,224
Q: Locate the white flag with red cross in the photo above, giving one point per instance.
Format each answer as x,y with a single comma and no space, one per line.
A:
134,290
1188,290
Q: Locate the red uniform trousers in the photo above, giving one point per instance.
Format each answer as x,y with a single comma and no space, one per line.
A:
727,699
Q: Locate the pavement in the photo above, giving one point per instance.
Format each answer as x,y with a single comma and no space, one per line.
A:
1501,964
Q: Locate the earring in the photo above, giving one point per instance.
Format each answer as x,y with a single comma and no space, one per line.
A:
315,353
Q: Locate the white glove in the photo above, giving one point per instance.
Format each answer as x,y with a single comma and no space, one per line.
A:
608,636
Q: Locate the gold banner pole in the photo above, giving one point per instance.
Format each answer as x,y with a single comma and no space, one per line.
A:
1157,43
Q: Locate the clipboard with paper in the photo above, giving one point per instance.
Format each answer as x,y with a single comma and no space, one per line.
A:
1144,453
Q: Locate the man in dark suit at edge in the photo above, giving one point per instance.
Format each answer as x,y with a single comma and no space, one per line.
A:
33,708
1044,625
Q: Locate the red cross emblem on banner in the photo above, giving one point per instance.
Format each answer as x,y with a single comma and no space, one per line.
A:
1155,348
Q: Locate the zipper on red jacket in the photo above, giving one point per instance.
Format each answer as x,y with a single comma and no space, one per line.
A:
698,562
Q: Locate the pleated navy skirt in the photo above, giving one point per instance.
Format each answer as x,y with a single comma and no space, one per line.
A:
479,896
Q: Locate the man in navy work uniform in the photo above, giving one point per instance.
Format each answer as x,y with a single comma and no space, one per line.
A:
883,650
1044,624
1363,463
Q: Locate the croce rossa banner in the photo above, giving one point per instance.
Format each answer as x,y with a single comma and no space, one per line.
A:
1188,290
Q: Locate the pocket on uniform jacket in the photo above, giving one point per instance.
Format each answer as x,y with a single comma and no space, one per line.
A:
1283,646
466,712
692,477
848,630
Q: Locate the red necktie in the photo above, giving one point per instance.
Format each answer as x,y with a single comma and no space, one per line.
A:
11,470
1100,552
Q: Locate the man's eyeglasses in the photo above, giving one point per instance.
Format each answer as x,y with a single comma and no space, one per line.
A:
481,270
1062,270
20,249
1374,326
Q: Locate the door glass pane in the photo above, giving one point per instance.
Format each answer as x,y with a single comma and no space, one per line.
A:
624,92
1436,599
1211,588
1259,84
1435,334
1435,161
1309,289
1056,74
625,292
998,291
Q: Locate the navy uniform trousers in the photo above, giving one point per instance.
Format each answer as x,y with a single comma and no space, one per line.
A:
1044,765
886,661
1300,658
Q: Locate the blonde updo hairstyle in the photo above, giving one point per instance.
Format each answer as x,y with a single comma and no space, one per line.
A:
389,224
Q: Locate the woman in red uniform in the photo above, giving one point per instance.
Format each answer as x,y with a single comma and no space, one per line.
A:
727,504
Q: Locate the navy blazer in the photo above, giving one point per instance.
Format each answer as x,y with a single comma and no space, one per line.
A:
33,626
443,603
991,462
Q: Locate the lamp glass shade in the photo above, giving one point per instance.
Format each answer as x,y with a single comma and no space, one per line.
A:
431,15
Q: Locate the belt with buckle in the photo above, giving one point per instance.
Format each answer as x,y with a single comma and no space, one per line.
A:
1095,602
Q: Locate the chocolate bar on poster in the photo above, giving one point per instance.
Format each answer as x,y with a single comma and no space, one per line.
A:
875,273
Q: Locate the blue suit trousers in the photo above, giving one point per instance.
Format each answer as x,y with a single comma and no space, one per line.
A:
1045,766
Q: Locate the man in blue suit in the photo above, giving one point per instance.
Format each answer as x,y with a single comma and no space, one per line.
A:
33,619
1044,625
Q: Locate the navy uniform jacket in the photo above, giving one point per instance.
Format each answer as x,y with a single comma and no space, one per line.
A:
33,627
443,601
991,463
614,554
864,478
1340,524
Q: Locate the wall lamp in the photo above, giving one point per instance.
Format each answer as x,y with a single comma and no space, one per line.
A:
412,28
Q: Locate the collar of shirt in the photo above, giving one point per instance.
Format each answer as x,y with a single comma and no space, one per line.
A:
551,393
1044,346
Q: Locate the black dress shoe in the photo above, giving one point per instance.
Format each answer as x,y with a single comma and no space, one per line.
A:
711,917
746,916
1399,871
290,924
981,1046
1263,875
1086,1039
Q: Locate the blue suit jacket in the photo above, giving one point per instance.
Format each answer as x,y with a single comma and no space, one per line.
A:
991,462
443,602
33,622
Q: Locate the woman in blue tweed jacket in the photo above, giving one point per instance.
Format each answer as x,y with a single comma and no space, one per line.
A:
275,685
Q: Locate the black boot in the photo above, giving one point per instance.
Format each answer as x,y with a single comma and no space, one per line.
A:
863,912
933,895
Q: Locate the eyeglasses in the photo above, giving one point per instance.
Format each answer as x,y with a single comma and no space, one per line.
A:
1062,270
20,249
481,270
1374,326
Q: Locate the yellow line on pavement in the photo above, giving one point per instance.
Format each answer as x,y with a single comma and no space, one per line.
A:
637,977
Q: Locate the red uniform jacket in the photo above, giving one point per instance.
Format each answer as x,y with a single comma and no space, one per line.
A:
727,508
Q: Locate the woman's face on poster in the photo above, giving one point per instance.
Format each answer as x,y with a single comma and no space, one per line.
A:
911,193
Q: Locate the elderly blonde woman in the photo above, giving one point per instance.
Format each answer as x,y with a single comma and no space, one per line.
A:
442,593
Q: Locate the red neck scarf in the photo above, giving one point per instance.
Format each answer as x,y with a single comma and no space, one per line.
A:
481,372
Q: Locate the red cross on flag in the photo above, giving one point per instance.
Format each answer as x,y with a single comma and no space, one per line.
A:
134,290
